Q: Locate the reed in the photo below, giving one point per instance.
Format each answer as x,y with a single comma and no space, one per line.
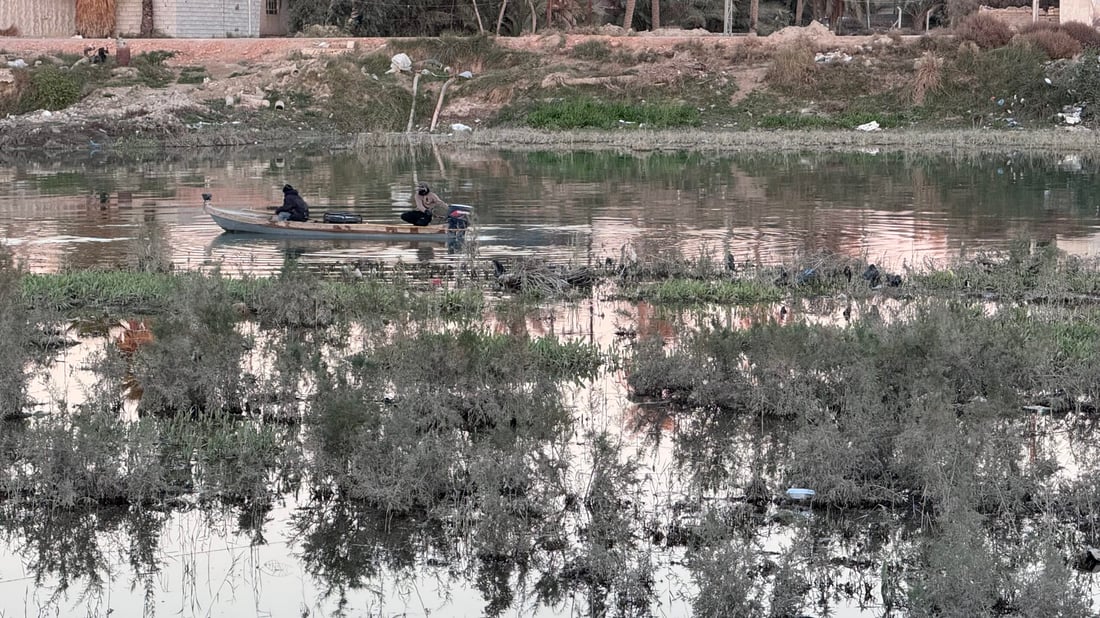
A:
95,19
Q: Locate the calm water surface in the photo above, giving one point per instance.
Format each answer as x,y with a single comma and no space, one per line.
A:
85,210
891,208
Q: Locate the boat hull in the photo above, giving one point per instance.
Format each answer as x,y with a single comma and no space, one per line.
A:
251,222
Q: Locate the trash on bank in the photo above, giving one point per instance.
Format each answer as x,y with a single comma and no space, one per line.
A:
400,63
18,63
1070,114
831,57
458,127
869,126
800,493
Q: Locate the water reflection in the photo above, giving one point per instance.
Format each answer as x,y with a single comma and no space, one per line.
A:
890,207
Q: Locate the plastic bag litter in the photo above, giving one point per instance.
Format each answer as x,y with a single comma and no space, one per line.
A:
400,63
870,126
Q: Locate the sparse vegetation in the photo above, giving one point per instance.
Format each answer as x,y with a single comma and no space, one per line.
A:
584,112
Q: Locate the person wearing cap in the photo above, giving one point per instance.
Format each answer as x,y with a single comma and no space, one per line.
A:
294,208
428,206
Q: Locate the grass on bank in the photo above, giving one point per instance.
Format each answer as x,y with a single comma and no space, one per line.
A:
294,299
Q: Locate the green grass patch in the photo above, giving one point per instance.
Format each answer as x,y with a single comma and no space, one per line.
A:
151,68
192,75
300,299
594,50
584,112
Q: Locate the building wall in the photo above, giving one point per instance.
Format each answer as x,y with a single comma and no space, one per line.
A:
218,18
1084,11
1020,16
44,18
274,24
128,16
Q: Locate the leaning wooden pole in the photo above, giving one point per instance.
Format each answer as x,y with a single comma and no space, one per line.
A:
439,104
412,106
500,16
477,13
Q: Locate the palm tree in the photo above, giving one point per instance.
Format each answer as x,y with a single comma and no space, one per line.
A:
656,14
629,18
146,17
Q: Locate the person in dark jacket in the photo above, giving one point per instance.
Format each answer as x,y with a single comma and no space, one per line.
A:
428,206
294,208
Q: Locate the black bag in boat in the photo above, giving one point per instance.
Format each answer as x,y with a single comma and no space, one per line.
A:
342,217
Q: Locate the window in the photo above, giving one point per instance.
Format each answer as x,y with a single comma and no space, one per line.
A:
273,7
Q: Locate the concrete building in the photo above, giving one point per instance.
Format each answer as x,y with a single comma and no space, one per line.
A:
174,18
1084,11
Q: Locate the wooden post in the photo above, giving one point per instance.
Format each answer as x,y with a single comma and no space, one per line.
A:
477,13
500,16
1034,11
412,107
439,105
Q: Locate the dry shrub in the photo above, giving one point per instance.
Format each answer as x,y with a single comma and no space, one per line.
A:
984,30
793,67
1086,35
1037,26
95,19
1054,43
750,49
928,76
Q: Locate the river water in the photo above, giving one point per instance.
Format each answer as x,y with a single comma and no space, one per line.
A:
88,210
85,209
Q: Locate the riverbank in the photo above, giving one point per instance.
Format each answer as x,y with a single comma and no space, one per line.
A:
798,89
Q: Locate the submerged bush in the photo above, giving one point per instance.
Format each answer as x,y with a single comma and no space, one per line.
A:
15,323
193,364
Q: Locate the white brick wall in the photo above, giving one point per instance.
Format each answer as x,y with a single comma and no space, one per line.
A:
39,17
217,18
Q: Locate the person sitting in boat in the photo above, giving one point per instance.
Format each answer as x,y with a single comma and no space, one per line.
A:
294,208
428,206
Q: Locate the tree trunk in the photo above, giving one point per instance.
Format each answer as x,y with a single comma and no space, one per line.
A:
534,16
477,13
656,14
628,19
500,16
798,6
146,18
754,15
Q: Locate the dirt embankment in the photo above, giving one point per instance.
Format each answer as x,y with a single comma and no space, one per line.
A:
243,73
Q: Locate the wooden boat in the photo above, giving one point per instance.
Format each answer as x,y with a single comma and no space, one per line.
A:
255,222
